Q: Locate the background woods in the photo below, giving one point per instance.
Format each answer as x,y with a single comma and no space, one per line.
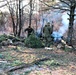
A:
37,13
37,37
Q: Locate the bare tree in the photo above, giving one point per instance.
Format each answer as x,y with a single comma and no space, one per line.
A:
16,12
20,15
30,14
2,20
67,5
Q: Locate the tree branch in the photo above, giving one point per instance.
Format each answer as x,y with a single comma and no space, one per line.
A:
25,6
55,7
6,3
64,2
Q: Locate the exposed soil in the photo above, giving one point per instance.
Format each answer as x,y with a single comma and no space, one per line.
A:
63,63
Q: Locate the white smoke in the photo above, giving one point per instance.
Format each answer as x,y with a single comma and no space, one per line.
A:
65,23
57,17
65,20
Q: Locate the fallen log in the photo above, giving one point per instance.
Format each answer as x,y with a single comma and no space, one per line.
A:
17,67
26,65
39,60
65,44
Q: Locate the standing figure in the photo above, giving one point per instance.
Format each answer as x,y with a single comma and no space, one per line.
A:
29,30
47,31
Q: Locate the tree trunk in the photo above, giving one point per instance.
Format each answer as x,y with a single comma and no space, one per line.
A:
20,24
30,15
71,20
17,20
13,23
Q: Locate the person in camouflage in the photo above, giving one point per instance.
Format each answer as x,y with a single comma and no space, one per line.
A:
47,31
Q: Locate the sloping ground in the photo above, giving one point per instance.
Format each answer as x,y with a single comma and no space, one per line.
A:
60,62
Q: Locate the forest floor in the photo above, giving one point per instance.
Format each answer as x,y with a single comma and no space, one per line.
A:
16,60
